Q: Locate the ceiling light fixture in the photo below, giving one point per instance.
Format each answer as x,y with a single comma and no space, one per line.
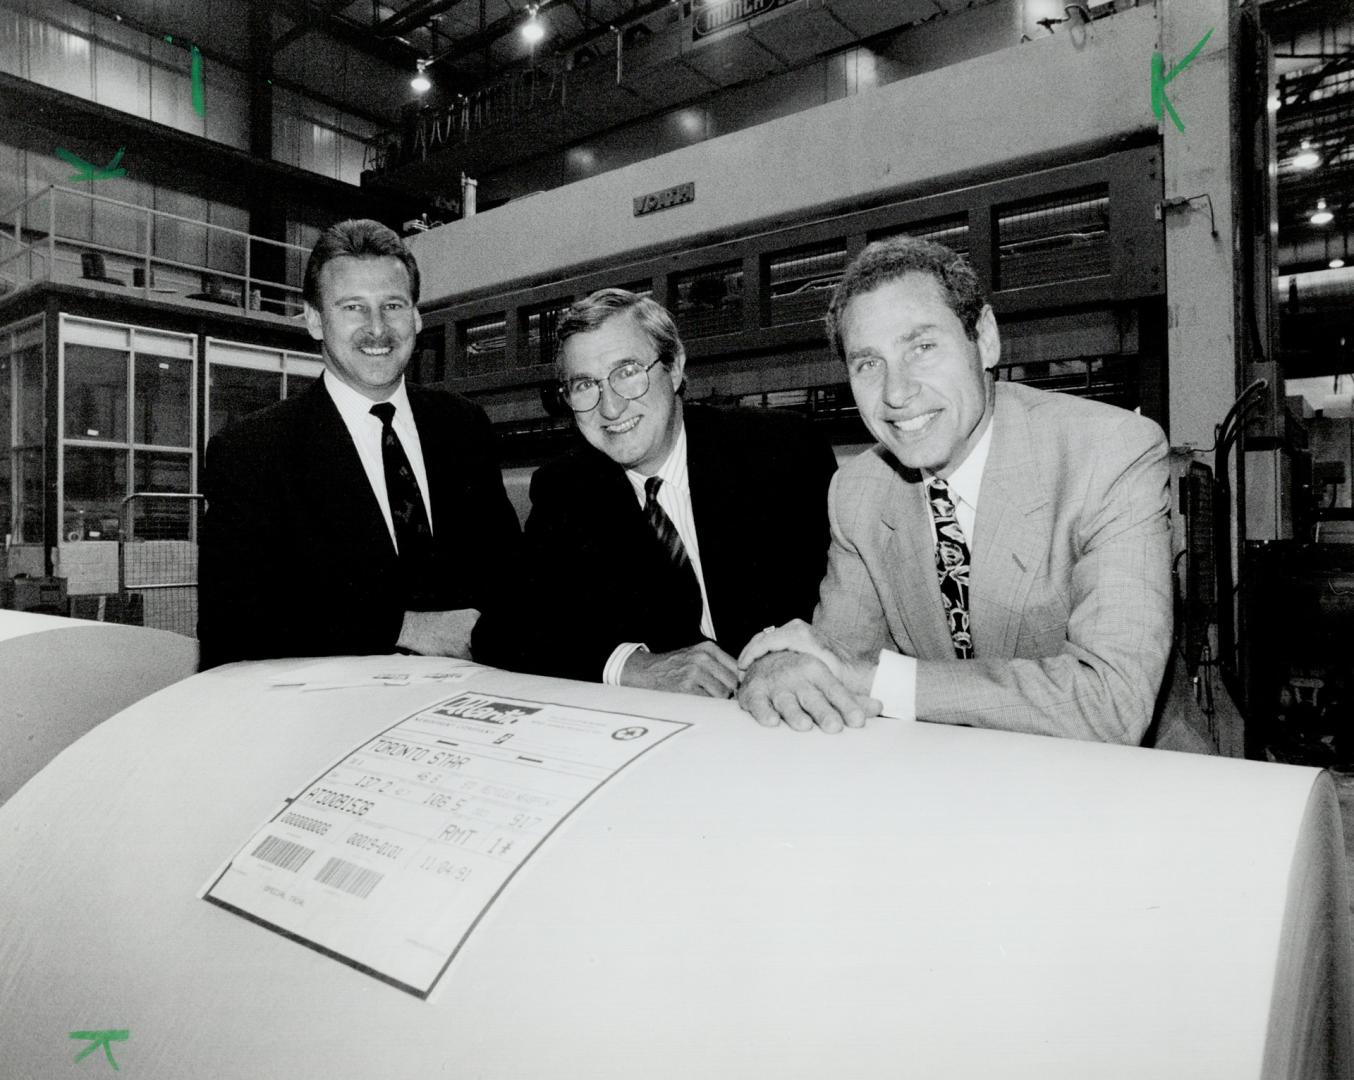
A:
1322,215
532,30
1306,157
420,83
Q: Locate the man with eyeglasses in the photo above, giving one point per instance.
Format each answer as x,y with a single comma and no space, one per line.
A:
657,550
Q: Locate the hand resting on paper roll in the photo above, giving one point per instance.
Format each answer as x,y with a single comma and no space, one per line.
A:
703,668
791,673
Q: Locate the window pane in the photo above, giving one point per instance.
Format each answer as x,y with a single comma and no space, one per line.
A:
96,481
152,518
161,472
96,393
235,392
6,442
163,397
29,482
31,407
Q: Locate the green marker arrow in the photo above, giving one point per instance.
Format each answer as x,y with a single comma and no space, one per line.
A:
92,172
104,1038
1160,102
199,98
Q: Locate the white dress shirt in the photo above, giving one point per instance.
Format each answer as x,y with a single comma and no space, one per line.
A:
895,679
365,429
674,496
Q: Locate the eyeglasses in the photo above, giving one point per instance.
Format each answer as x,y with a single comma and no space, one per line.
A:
629,380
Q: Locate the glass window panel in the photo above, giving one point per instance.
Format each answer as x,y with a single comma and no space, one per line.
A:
709,300
13,42
7,367
95,485
225,250
73,212
6,494
226,99
235,392
160,518
60,58
30,407
318,149
121,73
158,471
6,441
118,226
182,241
163,400
96,393
29,483
171,88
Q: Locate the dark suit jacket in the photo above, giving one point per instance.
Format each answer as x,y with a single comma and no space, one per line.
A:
596,575
295,557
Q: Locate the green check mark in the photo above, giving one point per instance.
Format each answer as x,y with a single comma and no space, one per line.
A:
103,1038
92,172
1160,102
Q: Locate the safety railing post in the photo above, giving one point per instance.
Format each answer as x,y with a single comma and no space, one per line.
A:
51,232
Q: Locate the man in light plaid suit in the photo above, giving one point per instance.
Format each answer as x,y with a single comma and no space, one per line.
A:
1000,559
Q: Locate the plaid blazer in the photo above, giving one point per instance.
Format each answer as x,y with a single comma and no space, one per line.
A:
1070,595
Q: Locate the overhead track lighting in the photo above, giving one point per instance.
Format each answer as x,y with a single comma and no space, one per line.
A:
1322,215
532,30
420,83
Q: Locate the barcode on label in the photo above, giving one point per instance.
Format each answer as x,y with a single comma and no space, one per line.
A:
350,878
282,853
310,824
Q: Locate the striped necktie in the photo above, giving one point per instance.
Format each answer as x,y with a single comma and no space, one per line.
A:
668,536
952,566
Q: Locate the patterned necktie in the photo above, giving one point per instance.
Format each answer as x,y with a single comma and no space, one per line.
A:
413,535
952,566
670,539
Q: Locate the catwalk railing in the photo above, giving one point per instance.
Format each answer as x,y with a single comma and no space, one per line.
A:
64,235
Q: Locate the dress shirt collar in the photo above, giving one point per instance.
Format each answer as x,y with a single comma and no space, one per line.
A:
355,407
672,471
965,481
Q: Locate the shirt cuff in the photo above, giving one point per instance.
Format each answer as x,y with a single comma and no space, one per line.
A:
611,674
895,685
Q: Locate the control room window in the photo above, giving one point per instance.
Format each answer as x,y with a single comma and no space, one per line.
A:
164,394
96,393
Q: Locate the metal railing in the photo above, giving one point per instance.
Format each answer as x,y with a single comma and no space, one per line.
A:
157,559
239,268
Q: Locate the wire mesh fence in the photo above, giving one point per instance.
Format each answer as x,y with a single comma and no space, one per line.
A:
157,560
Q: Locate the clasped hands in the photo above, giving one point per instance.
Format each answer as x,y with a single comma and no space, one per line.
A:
787,673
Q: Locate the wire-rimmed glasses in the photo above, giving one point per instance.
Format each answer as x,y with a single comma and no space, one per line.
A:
629,380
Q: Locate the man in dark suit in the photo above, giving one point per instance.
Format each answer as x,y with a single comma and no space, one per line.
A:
655,552
365,515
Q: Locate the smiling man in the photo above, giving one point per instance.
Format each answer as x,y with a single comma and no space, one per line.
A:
1000,559
364,515
658,549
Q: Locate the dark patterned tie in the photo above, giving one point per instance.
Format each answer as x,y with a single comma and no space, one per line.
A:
952,566
413,536
670,539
